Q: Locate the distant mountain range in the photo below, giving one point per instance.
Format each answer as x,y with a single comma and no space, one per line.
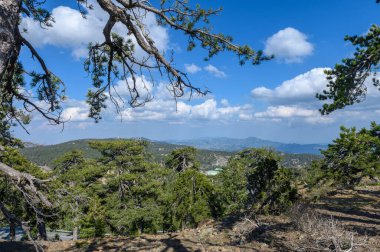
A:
234,144
212,152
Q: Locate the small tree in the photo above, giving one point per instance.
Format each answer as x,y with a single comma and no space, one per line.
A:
93,224
191,199
75,186
354,155
68,161
233,186
182,159
131,185
191,196
263,184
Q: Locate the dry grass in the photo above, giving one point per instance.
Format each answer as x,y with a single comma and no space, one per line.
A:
243,230
323,234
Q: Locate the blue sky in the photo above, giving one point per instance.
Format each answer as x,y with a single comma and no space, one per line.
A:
273,101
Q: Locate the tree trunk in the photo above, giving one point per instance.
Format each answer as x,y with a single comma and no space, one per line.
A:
9,34
75,233
12,231
42,234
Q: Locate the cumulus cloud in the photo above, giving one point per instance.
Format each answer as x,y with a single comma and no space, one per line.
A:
301,88
75,111
162,108
225,102
294,99
289,45
210,110
70,30
286,112
310,116
215,71
167,110
192,68
211,69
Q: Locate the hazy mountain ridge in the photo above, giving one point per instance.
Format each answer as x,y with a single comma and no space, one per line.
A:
234,144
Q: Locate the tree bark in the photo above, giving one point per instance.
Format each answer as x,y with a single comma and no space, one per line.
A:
41,226
12,231
9,34
75,233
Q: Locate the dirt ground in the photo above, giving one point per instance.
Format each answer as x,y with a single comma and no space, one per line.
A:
358,210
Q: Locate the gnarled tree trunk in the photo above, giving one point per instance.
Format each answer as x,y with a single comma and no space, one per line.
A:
9,34
41,226
12,231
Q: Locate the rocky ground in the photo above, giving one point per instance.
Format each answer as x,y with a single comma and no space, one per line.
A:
357,211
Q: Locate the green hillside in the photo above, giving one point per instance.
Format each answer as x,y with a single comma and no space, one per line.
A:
45,155
210,159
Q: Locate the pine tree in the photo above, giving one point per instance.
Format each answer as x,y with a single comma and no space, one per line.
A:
191,195
132,187
354,155
263,185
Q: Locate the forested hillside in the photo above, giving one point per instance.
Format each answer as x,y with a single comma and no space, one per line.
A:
158,151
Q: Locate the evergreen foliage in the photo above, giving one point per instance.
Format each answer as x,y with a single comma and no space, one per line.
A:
192,197
123,193
354,155
182,159
347,81
254,180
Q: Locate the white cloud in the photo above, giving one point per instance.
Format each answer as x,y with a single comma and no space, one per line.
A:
301,88
215,71
70,30
286,112
162,108
310,116
295,99
192,68
289,45
205,110
75,111
167,110
225,102
245,117
320,120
